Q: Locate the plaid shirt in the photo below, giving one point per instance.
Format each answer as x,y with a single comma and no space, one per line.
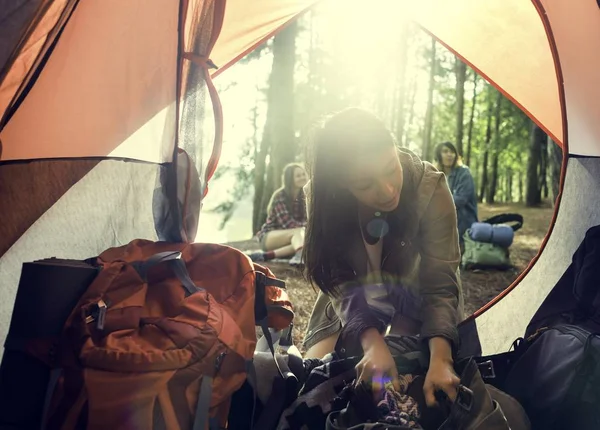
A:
281,217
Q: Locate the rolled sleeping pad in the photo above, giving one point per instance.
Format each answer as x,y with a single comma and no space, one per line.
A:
500,234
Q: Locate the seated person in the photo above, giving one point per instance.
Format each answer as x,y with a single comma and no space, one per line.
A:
382,246
461,185
282,235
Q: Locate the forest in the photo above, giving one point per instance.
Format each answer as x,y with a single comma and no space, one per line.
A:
424,93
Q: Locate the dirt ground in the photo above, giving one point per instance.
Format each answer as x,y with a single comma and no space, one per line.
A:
479,287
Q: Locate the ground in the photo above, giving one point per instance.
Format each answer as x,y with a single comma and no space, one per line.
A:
479,287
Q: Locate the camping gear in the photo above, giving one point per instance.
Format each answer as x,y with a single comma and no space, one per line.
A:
39,312
474,408
483,255
487,242
159,320
330,399
495,230
556,378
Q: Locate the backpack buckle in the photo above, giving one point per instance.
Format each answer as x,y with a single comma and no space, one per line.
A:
486,369
98,315
464,398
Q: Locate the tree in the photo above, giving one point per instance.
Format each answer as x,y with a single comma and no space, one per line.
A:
461,77
398,108
533,195
278,136
428,127
471,118
488,140
555,161
496,148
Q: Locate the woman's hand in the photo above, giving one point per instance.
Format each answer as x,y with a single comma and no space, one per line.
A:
377,365
441,375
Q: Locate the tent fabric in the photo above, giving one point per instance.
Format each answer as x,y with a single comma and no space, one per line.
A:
27,29
28,190
575,26
107,84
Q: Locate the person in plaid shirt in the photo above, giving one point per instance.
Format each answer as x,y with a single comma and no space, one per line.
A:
282,235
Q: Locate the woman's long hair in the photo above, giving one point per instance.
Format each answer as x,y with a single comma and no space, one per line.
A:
332,210
287,187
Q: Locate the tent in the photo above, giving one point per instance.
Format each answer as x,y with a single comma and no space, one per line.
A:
97,97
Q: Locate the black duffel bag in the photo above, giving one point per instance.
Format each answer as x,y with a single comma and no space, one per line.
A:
554,374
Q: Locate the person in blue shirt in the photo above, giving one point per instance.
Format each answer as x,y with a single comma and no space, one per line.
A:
461,184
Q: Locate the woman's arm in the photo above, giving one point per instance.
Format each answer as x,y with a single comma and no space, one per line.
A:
440,257
464,188
350,304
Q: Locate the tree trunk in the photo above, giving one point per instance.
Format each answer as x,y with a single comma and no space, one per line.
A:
278,135
461,77
537,138
428,128
521,187
471,118
496,148
509,184
398,115
555,166
486,151
411,112
543,174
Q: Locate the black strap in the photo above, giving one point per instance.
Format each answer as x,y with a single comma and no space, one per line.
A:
274,407
177,265
506,218
267,334
203,406
267,281
251,372
52,382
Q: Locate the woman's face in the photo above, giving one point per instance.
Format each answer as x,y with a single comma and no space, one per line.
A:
375,179
300,178
448,157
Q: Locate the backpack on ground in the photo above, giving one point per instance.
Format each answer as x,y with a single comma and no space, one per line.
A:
487,243
161,338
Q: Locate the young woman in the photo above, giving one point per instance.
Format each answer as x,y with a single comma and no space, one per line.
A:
461,185
382,246
282,235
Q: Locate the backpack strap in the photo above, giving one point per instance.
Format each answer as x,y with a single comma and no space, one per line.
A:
506,218
177,265
55,375
203,406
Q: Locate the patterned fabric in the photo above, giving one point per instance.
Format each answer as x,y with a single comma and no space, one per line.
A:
320,395
282,216
397,407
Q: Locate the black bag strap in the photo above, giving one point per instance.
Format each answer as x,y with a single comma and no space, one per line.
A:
506,218
177,265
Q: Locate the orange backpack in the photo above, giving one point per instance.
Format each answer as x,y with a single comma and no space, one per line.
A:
162,338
